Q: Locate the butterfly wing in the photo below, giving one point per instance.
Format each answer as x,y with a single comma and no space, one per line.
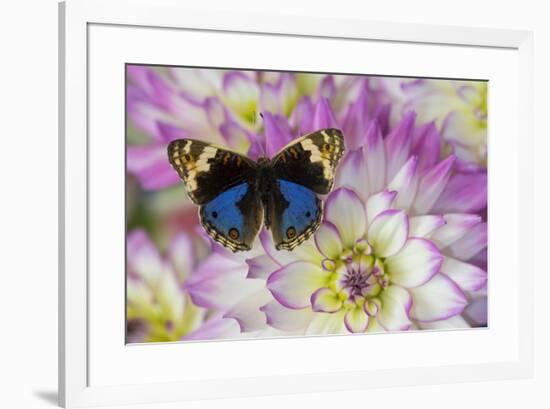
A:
222,182
207,170
234,217
295,213
311,160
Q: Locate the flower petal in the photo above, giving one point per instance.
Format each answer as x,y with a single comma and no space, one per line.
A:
378,203
424,226
324,117
149,164
287,319
394,310
293,284
467,276
456,227
417,262
182,255
438,299
388,232
261,266
143,257
470,244
352,173
405,183
432,184
327,323
398,144
375,157
345,210
356,320
426,145
325,300
247,312
277,133
215,328
455,322
302,116
476,312
464,193
328,240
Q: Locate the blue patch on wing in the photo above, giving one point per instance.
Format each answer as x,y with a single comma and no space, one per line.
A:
222,212
302,207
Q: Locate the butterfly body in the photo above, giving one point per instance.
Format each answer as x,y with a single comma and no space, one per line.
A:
237,195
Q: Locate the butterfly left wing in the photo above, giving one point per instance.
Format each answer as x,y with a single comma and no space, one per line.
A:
222,182
207,170
311,160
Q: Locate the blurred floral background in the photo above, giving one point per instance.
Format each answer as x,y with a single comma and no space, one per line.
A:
403,243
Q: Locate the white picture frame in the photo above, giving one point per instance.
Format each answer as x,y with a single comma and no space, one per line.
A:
77,382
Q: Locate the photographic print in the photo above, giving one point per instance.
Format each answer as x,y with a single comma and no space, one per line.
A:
265,204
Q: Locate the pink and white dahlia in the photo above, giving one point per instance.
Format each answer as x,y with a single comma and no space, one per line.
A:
402,245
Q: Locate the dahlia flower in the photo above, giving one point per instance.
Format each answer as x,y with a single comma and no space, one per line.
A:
402,245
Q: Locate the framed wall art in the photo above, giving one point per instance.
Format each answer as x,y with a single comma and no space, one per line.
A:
242,213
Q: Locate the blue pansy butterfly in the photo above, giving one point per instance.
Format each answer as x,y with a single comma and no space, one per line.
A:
236,194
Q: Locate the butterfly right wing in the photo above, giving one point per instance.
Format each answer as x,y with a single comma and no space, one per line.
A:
208,170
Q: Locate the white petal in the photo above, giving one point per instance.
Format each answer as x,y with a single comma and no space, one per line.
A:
396,303
352,173
287,319
417,262
455,322
456,226
247,312
293,285
345,210
468,276
356,320
378,203
327,323
424,226
388,232
405,184
438,299
328,240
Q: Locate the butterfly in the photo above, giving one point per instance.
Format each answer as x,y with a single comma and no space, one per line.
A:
236,195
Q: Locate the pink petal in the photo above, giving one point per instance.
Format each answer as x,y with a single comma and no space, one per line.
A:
417,262
438,299
143,257
394,310
215,328
324,117
388,232
375,157
149,163
302,116
432,184
398,144
293,284
426,145
467,276
277,133
464,193
345,210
